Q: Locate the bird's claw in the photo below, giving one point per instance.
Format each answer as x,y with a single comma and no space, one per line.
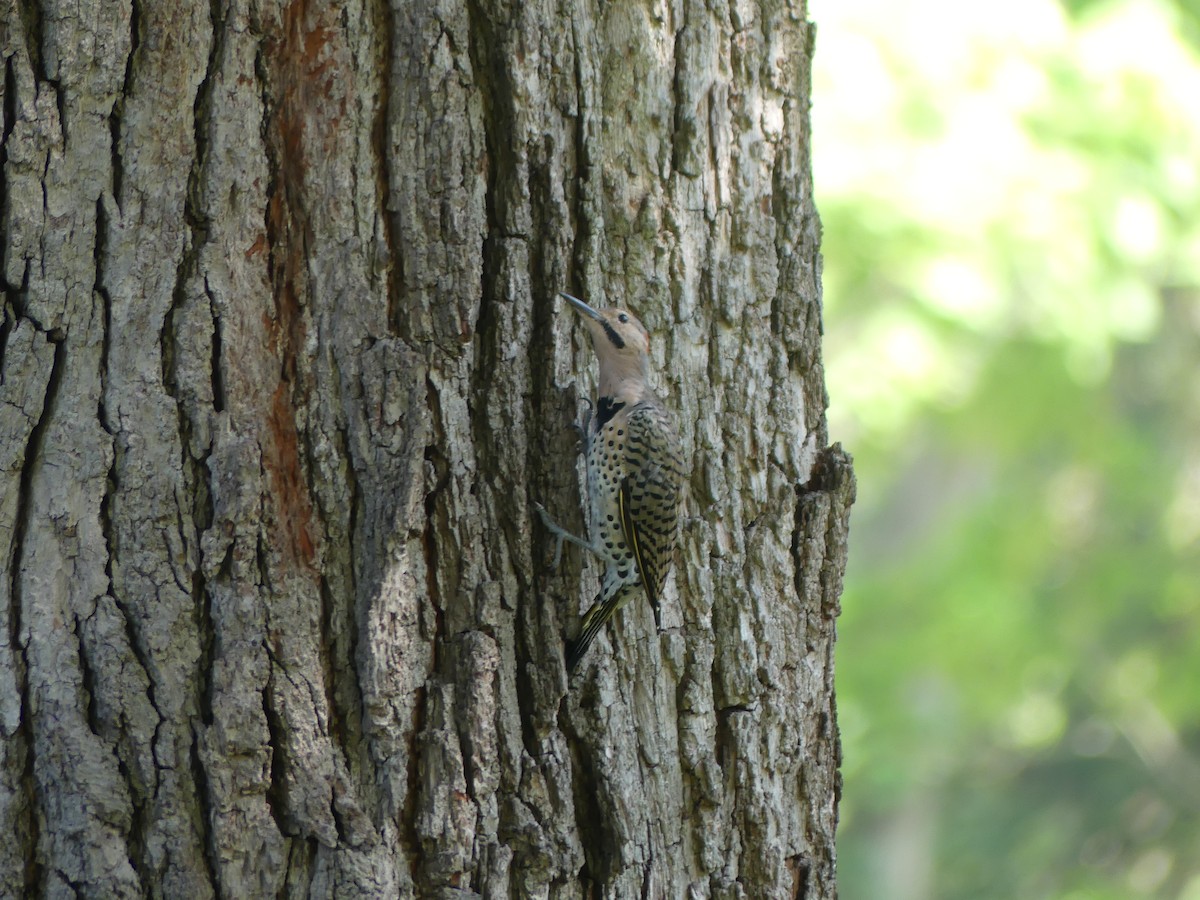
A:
584,427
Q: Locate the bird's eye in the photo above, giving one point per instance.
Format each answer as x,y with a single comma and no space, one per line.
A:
622,318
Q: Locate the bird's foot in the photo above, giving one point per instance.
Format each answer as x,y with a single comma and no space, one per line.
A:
554,529
584,427
560,535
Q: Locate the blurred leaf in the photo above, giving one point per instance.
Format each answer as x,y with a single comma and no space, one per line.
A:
1011,209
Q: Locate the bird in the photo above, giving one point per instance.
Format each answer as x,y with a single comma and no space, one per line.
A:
634,475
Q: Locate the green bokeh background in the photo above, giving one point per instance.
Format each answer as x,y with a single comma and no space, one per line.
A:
1010,196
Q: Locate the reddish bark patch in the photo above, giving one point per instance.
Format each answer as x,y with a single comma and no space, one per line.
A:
310,102
306,91
282,461
258,247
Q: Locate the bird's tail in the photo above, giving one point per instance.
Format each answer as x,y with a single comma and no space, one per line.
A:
593,620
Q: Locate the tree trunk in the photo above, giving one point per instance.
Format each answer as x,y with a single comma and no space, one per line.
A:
283,372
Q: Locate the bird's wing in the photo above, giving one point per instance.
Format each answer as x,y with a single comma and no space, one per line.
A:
649,498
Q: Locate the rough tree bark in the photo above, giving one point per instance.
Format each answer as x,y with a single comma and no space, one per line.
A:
283,370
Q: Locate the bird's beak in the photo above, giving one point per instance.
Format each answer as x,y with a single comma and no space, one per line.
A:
581,307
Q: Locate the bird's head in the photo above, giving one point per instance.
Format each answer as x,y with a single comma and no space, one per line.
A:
621,342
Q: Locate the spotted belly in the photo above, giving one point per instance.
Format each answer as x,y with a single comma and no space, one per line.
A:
606,470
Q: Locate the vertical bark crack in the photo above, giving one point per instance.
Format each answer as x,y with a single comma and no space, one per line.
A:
117,113
194,468
88,679
276,793
217,376
99,287
30,12
437,478
137,836
204,800
10,120
35,873
683,126
384,174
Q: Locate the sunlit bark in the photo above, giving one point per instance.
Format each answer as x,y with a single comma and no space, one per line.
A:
283,370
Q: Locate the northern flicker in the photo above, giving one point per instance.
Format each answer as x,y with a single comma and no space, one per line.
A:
634,470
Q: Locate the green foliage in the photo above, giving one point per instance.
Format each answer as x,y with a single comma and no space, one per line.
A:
1011,204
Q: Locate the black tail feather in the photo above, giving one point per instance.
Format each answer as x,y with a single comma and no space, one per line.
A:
592,623
594,620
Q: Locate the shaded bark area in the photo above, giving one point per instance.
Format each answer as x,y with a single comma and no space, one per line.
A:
283,371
